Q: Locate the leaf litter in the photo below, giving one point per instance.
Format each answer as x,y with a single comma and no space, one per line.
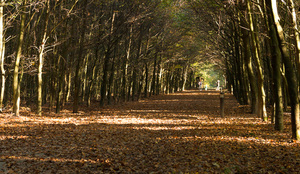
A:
175,133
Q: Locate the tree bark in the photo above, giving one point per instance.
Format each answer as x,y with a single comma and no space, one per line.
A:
248,62
41,57
262,111
135,75
125,66
16,84
154,75
2,53
276,64
296,36
290,73
80,60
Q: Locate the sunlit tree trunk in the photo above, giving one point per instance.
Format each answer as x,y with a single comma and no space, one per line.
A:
184,76
41,57
296,35
146,80
2,53
290,73
111,79
126,64
252,79
16,84
262,111
276,64
84,77
154,75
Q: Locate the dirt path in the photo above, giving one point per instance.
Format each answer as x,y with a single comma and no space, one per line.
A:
174,133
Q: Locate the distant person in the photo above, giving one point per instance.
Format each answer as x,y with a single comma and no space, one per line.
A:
200,85
218,85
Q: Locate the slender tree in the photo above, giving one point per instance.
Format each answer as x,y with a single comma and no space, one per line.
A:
41,59
2,53
16,81
80,58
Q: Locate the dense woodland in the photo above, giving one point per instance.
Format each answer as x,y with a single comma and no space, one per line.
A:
75,52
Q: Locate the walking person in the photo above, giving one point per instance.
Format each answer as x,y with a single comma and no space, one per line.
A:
200,85
218,85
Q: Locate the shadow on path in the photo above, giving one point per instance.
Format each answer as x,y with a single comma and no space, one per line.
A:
174,133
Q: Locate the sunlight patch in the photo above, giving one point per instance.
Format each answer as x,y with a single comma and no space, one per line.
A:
12,137
49,159
239,139
166,128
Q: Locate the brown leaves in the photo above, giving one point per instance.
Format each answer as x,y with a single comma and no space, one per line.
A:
175,133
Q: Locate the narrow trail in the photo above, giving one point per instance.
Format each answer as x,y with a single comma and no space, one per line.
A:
181,132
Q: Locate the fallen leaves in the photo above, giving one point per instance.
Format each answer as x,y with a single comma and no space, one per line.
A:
174,133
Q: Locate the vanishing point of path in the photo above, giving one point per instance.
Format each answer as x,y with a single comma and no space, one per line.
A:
175,133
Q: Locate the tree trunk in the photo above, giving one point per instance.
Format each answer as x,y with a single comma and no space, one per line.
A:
84,77
296,35
146,80
248,62
41,57
276,63
16,84
79,61
111,78
92,80
262,111
290,73
125,66
135,66
2,52
158,76
154,75
106,61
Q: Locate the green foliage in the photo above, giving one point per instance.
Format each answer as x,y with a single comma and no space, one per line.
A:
209,72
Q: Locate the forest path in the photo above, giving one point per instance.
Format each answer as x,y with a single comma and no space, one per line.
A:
180,132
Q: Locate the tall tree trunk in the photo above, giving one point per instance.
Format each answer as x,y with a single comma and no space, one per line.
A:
290,73
158,76
92,80
79,61
84,77
125,66
2,53
262,111
60,84
41,57
276,64
248,62
111,78
135,66
296,35
154,75
16,84
146,80
105,77
106,61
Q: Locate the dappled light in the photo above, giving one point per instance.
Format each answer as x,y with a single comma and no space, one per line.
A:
134,137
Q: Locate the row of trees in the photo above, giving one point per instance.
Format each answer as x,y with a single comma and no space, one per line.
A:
54,52
261,45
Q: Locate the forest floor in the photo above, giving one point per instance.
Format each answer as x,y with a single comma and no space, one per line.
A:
175,133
